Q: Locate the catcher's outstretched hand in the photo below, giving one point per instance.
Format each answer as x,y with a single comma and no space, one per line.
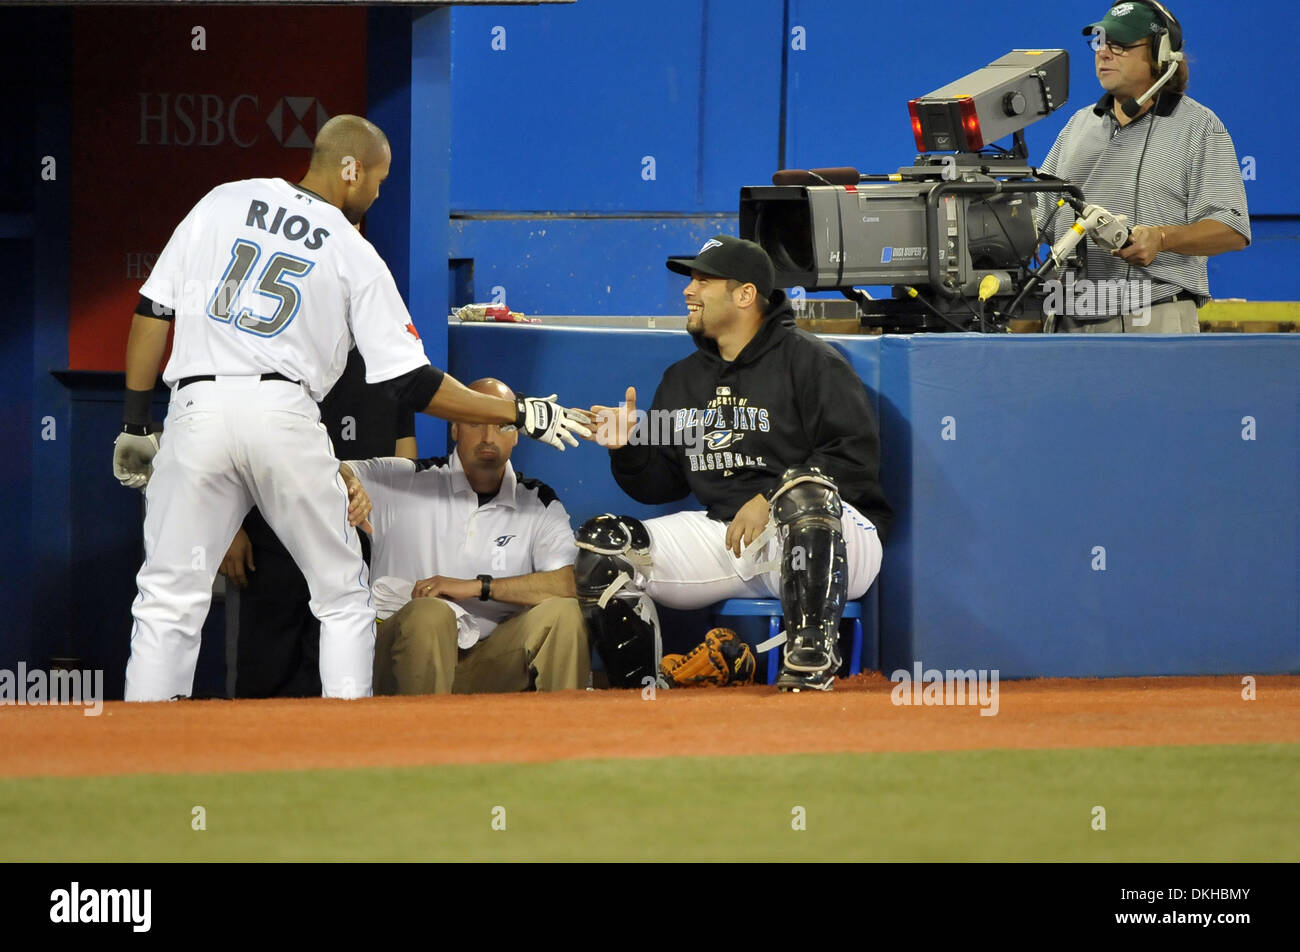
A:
545,420
133,459
615,424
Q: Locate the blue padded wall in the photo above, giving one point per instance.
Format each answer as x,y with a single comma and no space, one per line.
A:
562,117
1265,270
560,122
1063,446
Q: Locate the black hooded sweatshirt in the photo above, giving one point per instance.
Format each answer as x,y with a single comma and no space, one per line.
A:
788,399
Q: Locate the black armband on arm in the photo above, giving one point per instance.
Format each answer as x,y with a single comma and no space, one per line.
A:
150,308
413,390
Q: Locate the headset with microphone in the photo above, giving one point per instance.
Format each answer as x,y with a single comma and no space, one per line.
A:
1168,51
1171,38
1168,55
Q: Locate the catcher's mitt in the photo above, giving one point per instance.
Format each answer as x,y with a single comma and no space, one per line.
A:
723,660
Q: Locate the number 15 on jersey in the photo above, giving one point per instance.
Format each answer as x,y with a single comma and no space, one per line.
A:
275,281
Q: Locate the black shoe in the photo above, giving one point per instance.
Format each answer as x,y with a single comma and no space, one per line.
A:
810,663
810,652
796,681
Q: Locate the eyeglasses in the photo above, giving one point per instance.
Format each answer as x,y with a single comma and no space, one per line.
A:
1116,49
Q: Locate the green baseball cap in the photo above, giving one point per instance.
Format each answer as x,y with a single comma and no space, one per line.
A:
1126,23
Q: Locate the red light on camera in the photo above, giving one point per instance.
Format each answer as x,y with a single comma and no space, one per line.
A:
970,124
916,125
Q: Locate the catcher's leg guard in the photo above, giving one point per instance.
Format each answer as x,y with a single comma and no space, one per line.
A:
814,577
621,619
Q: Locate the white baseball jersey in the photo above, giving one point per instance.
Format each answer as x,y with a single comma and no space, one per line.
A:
428,521
297,285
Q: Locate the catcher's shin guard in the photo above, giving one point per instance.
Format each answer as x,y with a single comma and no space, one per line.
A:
621,619
814,577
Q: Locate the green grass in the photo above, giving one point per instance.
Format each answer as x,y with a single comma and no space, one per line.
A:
1162,803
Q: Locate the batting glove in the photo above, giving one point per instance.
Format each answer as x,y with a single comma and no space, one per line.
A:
133,459
544,419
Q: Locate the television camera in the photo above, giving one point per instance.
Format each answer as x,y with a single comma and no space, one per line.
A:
954,233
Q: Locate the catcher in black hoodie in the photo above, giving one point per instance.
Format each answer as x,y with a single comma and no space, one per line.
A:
773,432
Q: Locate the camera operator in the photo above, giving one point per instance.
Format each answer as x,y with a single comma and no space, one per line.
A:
1169,164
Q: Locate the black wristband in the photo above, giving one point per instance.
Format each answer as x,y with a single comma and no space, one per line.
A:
521,412
485,594
136,407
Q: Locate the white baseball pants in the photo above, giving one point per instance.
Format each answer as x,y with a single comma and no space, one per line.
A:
227,445
692,567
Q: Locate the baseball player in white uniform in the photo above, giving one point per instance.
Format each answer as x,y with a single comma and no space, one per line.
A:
269,284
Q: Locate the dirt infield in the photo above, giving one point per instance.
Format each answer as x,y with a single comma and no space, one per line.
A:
216,736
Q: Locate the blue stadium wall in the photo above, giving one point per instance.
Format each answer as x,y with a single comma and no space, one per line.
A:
586,142
557,110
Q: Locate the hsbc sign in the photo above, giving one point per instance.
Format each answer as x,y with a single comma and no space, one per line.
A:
201,119
205,119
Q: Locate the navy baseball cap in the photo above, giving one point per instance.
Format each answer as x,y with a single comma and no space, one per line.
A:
1126,23
725,256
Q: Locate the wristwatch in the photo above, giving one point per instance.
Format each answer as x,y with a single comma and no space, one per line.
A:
486,593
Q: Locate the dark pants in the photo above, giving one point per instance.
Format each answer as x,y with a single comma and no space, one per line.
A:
279,638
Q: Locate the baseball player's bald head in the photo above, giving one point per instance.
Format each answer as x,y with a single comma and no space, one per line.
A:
345,137
349,162
492,387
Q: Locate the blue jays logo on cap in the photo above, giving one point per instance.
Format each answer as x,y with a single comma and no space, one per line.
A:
726,256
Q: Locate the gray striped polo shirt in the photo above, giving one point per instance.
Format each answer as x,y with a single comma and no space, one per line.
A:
1190,173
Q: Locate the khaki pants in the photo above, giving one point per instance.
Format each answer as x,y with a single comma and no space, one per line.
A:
1172,317
544,647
